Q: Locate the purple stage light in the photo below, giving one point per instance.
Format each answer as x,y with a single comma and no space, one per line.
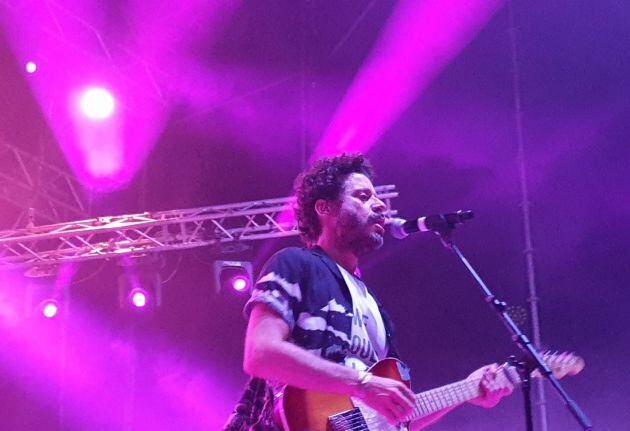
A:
139,298
140,285
109,143
240,283
50,308
418,42
97,103
232,276
31,67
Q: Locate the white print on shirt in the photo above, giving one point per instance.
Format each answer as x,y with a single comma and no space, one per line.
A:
368,342
360,346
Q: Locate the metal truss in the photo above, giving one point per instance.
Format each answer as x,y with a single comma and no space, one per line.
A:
29,182
138,234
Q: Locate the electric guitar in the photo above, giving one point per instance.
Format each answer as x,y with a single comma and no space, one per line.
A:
302,410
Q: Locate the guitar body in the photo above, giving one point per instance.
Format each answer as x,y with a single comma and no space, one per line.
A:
301,410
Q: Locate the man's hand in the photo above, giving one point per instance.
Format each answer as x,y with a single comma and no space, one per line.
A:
390,398
493,384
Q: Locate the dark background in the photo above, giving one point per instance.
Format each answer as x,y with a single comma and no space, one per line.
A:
454,148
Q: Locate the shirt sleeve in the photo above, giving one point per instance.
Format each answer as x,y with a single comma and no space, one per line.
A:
279,287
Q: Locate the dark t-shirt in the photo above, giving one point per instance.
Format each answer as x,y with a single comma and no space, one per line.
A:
306,289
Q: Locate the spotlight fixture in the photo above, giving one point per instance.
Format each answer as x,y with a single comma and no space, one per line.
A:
140,283
44,298
31,67
139,297
139,289
49,308
232,276
239,283
97,103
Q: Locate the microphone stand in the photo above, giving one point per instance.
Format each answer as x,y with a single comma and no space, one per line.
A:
533,359
524,372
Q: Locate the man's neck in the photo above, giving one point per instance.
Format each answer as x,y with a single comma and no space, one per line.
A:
346,258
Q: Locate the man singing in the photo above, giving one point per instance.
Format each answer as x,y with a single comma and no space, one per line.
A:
313,323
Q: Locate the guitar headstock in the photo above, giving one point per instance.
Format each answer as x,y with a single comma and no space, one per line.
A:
562,364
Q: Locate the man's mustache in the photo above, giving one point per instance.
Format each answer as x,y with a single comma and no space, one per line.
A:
373,218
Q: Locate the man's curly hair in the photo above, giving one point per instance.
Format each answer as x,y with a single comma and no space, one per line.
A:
324,180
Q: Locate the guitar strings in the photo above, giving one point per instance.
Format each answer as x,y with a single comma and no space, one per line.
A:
428,399
350,419
343,424
366,423
357,415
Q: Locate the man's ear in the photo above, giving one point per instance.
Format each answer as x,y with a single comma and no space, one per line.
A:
322,207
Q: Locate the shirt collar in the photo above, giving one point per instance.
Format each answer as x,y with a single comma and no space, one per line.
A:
329,261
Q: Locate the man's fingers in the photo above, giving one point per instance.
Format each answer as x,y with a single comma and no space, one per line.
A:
399,412
391,398
407,397
405,408
491,370
493,385
391,414
395,407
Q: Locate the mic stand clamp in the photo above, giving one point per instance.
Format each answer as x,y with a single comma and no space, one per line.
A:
531,354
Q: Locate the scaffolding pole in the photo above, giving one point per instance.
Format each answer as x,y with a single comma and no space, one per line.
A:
528,252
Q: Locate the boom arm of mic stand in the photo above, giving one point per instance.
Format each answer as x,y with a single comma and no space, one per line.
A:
517,335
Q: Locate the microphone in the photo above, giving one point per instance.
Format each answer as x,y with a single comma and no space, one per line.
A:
400,228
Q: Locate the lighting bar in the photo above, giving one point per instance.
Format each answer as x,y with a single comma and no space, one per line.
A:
138,234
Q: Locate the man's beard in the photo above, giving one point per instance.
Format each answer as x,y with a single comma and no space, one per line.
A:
358,237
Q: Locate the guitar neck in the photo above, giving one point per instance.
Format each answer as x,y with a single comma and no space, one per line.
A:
446,396
434,400
301,410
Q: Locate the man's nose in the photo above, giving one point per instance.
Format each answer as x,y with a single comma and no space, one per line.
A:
378,206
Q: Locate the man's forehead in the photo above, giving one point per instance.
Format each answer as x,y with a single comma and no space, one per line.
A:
356,181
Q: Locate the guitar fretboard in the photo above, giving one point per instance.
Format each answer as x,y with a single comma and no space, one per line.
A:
446,396
437,399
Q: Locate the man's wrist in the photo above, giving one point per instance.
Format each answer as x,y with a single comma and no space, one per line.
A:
362,378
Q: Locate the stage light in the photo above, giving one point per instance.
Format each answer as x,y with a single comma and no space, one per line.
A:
31,67
139,290
97,103
49,308
45,296
140,284
419,40
239,283
139,297
234,276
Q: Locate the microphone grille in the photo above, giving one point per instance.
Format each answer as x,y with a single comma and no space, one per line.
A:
396,228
